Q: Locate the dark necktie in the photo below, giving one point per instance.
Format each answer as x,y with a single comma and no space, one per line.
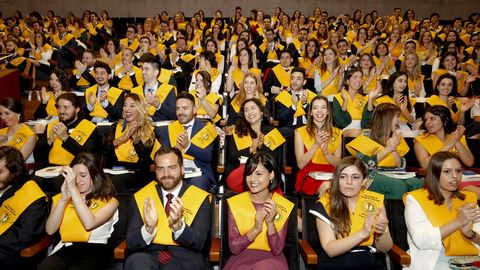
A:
164,256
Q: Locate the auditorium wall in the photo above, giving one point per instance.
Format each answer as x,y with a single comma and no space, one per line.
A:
140,8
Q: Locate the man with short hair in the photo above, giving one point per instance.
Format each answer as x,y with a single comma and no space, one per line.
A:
130,41
270,50
104,102
194,138
160,97
279,77
170,219
84,74
182,63
66,46
127,75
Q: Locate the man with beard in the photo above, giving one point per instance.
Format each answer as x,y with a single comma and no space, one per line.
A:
84,74
182,63
103,101
291,105
194,138
66,46
16,61
64,138
160,97
170,219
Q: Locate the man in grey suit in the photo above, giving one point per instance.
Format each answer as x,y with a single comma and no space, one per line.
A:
170,220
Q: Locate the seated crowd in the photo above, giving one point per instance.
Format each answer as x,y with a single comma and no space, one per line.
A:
353,110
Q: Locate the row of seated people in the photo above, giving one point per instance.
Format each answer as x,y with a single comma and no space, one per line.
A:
169,220
247,127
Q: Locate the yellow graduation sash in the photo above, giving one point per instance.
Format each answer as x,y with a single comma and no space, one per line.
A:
238,75
333,144
244,212
125,152
285,98
331,88
58,155
242,142
201,139
236,103
455,244
436,100
369,147
62,42
51,107
368,201
355,106
282,76
82,81
433,144
19,60
272,55
133,46
14,206
187,57
304,62
273,139
165,75
192,200
412,83
372,85
212,98
112,95
125,82
45,47
72,229
20,136
162,92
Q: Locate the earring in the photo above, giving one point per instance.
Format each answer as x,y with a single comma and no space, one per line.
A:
271,181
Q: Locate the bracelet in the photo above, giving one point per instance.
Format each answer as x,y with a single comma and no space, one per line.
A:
472,236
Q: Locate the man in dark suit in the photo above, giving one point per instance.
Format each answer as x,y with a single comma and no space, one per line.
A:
170,221
194,138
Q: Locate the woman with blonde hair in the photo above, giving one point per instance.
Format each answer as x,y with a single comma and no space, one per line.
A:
131,144
412,67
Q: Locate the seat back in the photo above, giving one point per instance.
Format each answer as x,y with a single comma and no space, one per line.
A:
396,223
309,226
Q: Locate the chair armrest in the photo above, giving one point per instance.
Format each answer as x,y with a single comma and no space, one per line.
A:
215,250
32,250
309,255
399,255
119,252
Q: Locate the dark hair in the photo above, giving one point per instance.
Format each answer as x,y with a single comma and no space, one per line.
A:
299,70
447,75
432,179
167,150
242,127
103,187
339,212
15,164
207,80
74,99
100,64
444,56
375,50
349,74
62,78
151,59
13,105
267,161
445,116
388,90
250,55
209,57
186,95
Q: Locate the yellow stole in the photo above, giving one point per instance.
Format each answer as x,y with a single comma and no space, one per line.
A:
125,152
20,136
368,201
243,211
412,83
372,85
282,76
433,144
133,46
72,229
272,55
112,96
272,140
58,155
285,98
461,79
62,42
390,65
45,47
344,61
297,43
359,46
369,147
332,87
236,103
51,107
162,92
165,76
13,207
238,75
455,244
125,82
388,99
242,142
305,62
212,98
19,60
355,106
82,81
333,144
201,139
436,100
192,200
214,73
